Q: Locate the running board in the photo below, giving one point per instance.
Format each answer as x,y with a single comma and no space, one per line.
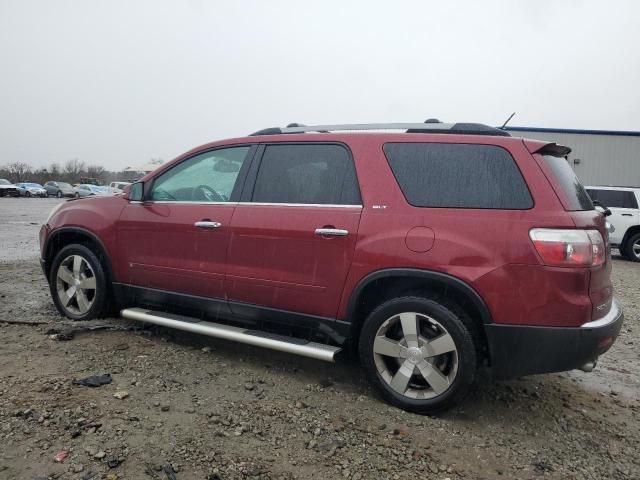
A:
242,335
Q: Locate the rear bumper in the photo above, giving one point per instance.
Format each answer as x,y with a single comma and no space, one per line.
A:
518,350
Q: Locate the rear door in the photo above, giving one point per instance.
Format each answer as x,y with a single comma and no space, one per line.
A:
294,232
624,210
176,240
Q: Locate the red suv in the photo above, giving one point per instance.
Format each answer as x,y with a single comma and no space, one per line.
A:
430,252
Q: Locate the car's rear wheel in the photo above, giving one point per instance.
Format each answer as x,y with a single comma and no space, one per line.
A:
419,354
28,194
78,283
59,194
631,249
77,195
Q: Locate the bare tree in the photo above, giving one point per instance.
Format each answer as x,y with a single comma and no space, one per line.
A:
95,171
54,170
19,171
73,168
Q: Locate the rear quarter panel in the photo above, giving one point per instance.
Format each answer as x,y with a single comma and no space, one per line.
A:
488,249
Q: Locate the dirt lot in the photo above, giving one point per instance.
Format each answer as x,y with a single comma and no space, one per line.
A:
205,409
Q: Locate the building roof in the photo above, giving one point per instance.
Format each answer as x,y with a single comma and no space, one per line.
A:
619,133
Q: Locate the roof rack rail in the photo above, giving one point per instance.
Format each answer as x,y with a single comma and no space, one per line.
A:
431,126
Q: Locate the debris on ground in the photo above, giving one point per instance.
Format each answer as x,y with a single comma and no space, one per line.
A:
94,380
121,395
61,456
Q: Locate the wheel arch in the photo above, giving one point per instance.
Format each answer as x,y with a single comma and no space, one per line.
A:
382,285
631,231
62,237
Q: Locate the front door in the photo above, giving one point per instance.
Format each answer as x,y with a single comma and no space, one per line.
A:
624,210
293,238
176,240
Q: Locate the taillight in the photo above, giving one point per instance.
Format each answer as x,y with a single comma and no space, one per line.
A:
569,248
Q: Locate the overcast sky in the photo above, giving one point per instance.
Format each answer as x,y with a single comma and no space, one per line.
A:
119,82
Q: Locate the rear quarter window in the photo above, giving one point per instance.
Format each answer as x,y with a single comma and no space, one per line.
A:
575,195
458,176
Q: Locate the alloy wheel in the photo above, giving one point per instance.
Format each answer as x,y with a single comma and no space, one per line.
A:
415,355
76,284
635,248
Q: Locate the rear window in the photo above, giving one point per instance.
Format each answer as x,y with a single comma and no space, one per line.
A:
576,195
614,198
458,176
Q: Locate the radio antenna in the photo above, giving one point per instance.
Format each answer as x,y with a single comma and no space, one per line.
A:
507,121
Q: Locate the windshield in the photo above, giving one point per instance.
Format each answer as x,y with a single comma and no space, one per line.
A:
33,185
63,185
4,182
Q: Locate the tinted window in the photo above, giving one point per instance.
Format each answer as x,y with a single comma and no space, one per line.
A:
208,177
458,176
614,198
311,174
567,180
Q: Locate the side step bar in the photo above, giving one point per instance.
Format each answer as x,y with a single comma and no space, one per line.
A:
242,335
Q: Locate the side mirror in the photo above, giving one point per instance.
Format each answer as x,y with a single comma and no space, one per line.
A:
136,192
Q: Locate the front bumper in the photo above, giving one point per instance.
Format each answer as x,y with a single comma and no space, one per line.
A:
518,350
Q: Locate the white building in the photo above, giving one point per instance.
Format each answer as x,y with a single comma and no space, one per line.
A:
599,157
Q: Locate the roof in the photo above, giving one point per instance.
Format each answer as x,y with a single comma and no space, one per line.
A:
619,133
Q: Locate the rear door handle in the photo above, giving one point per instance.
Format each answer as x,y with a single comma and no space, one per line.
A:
331,232
207,224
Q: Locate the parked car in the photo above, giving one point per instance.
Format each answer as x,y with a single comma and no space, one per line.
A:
430,252
7,189
29,189
87,189
625,217
59,189
119,186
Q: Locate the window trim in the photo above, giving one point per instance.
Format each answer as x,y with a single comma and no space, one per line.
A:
513,158
237,188
630,193
252,177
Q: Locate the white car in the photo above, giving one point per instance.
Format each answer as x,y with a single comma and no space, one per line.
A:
118,186
625,217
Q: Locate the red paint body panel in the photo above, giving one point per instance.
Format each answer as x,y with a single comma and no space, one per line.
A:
269,255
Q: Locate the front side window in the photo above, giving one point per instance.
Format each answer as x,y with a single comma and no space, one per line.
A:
208,177
307,174
450,175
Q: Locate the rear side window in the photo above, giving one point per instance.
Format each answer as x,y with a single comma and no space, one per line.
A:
614,198
307,174
458,176
576,195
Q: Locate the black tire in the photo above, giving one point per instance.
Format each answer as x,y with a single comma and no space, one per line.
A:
27,194
100,298
59,194
627,250
77,195
457,325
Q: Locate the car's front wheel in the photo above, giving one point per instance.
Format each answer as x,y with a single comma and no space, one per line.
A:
59,194
28,194
78,283
418,353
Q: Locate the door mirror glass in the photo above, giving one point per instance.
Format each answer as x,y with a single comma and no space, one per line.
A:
136,192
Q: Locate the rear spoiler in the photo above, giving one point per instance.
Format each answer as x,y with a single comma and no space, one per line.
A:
544,148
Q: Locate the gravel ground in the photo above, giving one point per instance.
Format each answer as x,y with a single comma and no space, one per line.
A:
197,408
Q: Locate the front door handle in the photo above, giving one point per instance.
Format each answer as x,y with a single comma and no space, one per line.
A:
331,232
207,224
627,214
